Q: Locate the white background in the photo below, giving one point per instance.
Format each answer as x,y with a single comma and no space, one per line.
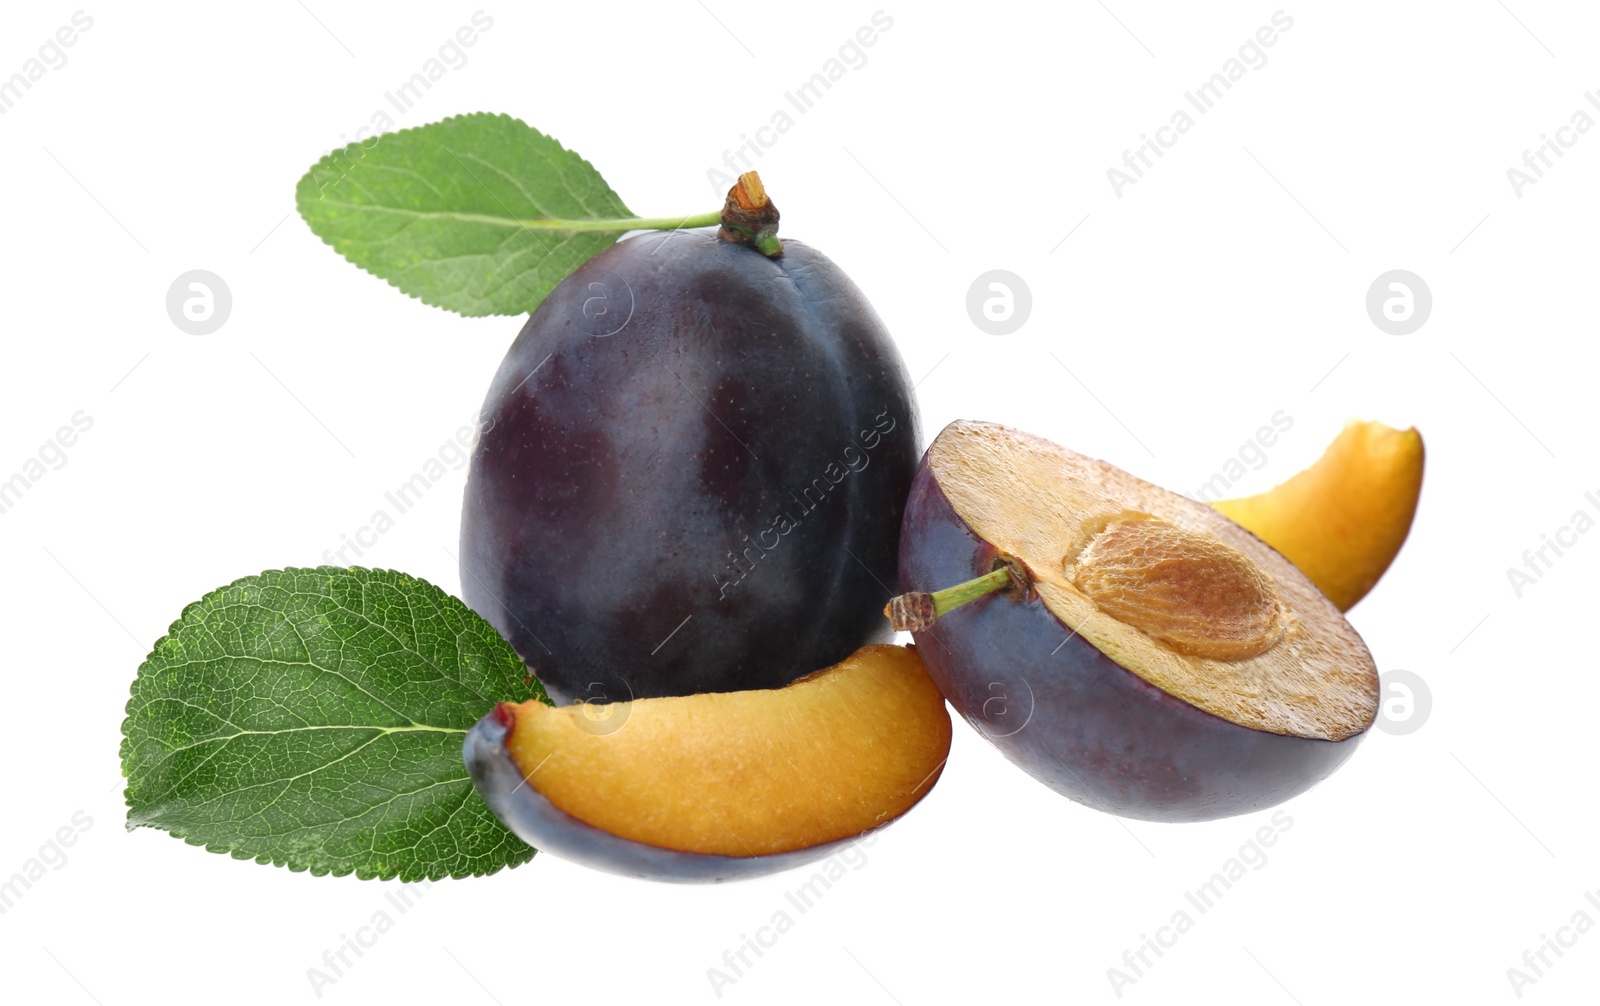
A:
1227,284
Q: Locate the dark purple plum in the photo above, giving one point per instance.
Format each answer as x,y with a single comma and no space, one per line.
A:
692,473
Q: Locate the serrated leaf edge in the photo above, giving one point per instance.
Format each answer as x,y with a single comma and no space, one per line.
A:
344,151
292,864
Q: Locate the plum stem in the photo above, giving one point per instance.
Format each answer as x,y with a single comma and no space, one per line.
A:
750,218
916,611
656,223
617,224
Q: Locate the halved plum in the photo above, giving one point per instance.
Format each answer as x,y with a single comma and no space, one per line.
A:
1145,655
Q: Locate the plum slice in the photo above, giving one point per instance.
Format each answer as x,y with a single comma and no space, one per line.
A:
1131,648
1343,520
718,786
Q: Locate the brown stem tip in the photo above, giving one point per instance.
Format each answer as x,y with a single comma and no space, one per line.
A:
911,612
750,218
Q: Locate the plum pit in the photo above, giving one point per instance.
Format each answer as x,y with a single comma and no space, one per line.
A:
1190,591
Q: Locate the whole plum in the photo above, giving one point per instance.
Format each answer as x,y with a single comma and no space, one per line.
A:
693,469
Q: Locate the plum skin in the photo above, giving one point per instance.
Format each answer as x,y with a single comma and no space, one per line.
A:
534,819
706,499
1072,717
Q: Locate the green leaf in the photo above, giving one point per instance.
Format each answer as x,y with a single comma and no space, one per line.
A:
480,214
313,718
